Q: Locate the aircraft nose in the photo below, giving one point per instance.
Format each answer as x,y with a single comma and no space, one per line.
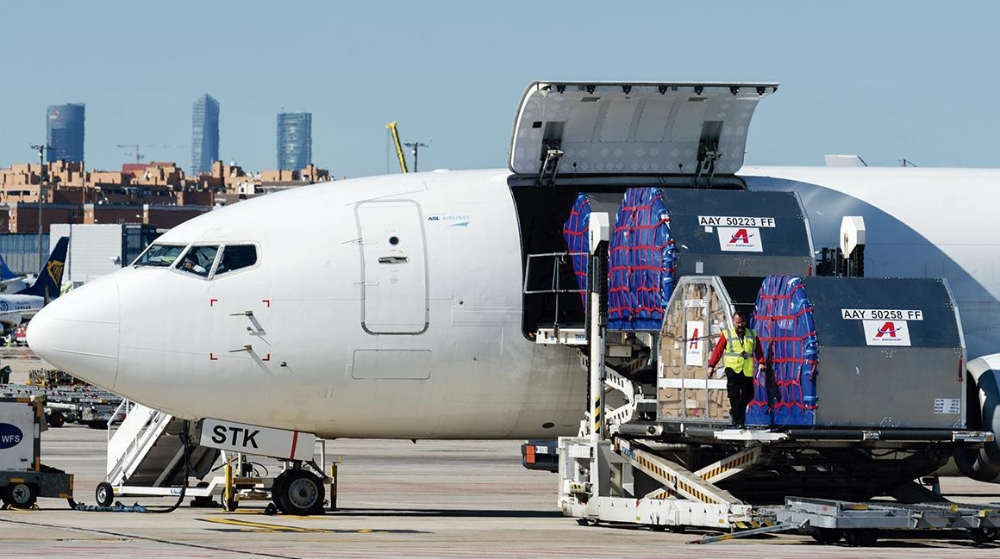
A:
78,332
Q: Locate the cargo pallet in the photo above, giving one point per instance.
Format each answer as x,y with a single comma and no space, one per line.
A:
70,403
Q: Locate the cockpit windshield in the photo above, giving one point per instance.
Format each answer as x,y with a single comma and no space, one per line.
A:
200,260
159,255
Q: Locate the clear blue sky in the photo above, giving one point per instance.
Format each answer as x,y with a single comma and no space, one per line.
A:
886,80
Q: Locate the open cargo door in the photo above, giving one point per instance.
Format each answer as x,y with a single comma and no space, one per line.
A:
642,128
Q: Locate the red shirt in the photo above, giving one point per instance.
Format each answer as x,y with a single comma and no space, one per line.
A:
720,348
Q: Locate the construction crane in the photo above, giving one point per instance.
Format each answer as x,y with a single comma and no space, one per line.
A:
399,147
138,156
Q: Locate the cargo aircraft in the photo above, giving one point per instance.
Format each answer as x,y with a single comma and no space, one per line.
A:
395,306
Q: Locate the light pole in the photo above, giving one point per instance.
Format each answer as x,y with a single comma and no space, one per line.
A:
416,151
41,190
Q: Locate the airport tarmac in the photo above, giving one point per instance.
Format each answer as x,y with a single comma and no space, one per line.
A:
396,499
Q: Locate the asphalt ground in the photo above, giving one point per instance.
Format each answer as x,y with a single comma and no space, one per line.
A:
396,499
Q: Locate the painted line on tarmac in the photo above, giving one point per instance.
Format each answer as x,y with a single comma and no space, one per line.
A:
267,527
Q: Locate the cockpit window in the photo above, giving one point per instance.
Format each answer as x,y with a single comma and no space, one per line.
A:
198,260
159,255
235,257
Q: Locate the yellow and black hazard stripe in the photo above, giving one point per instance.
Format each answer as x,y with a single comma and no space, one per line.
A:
735,463
596,414
672,479
751,525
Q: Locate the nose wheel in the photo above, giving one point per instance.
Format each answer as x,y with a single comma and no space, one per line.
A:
104,494
298,492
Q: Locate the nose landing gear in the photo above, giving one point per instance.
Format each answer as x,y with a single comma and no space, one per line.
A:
299,492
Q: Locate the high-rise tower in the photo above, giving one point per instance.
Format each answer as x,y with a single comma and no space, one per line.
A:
64,132
204,134
294,140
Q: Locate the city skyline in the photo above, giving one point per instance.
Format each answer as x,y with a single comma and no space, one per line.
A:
204,134
66,133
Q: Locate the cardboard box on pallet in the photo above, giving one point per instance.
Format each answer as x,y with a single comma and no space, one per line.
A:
693,321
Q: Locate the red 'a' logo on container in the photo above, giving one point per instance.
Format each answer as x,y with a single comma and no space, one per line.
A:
741,236
887,329
693,344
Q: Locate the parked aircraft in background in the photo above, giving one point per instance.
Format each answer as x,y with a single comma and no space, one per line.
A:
9,281
22,305
392,307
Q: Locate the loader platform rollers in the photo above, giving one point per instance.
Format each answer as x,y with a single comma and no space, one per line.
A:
637,487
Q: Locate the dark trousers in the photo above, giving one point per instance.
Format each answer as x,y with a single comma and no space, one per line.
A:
740,389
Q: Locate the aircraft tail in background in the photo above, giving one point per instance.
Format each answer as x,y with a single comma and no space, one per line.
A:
5,273
48,285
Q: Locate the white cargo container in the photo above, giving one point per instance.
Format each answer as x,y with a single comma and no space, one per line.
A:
23,477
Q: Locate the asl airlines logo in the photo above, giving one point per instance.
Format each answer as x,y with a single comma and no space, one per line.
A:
887,332
740,239
456,220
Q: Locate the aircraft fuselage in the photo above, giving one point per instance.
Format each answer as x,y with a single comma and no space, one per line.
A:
392,306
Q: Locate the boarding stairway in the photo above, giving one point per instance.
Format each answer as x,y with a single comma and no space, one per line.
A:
147,450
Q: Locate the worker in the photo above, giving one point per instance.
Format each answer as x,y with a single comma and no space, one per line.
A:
740,348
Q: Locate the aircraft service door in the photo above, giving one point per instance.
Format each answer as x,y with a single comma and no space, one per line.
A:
394,269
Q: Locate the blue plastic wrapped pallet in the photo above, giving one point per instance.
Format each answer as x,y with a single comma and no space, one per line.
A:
858,352
640,270
577,226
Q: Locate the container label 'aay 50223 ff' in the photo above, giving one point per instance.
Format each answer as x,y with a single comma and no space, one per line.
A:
10,435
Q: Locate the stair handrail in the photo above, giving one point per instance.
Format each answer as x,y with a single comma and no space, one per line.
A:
140,439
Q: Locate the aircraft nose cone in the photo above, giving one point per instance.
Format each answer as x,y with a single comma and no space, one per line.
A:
78,332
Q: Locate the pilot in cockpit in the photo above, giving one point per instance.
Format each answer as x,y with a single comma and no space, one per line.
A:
190,264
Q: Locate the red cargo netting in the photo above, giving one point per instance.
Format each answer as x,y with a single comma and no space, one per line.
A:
785,328
641,271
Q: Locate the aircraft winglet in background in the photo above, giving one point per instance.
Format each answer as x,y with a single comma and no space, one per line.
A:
5,273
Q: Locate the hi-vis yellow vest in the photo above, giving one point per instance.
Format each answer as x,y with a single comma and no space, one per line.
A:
739,357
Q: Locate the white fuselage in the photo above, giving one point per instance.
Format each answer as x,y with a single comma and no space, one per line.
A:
341,344
391,306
